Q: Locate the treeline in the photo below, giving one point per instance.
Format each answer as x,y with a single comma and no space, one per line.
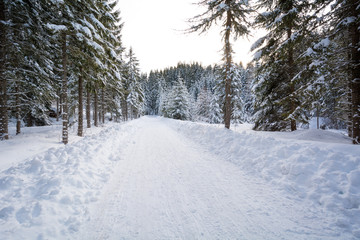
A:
193,92
196,93
59,53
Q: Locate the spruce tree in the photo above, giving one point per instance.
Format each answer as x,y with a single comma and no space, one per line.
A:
234,17
277,101
4,44
179,106
345,17
203,105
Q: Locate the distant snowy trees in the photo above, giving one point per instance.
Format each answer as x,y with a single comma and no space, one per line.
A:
56,53
234,17
192,92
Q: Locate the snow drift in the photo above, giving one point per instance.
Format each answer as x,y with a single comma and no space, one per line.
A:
47,197
326,174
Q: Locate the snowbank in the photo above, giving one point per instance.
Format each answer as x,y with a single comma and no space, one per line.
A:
325,174
47,196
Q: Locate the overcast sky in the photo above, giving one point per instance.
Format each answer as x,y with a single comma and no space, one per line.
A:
154,29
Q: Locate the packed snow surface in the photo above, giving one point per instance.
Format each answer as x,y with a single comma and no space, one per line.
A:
156,178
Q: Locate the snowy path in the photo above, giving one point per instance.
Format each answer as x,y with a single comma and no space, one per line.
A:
165,186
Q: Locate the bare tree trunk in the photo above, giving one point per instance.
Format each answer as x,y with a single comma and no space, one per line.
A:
96,109
81,113
228,59
4,131
65,132
88,100
18,109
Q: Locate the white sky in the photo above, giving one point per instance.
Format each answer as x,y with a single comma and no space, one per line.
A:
153,28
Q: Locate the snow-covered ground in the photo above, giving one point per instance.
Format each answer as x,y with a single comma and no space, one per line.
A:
156,178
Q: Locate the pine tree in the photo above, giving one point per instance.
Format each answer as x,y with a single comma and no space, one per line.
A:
234,15
203,105
179,105
277,101
238,113
4,132
27,67
134,95
152,93
345,17
216,114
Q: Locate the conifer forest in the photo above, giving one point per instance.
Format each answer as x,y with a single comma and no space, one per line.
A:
65,59
106,136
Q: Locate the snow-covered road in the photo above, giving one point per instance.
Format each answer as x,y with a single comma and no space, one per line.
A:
166,186
156,178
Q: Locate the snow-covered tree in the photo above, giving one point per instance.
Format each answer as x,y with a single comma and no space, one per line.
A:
203,105
178,102
152,93
278,51
234,17
26,88
215,111
133,97
344,19
237,94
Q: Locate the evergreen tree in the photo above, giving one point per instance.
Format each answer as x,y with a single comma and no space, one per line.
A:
234,16
134,95
345,19
277,101
215,110
203,105
179,105
237,94
25,64
152,93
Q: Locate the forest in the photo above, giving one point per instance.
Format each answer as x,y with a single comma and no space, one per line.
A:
65,59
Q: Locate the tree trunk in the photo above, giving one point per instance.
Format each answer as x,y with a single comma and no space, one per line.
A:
291,75
4,132
125,109
103,105
88,100
349,105
81,113
57,107
18,109
228,62
96,109
65,132
355,81
317,118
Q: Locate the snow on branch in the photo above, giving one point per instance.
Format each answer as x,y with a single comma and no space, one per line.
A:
56,27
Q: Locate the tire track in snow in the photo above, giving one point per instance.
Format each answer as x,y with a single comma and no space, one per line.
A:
168,187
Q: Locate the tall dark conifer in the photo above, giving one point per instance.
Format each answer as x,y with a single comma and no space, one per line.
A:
286,23
4,134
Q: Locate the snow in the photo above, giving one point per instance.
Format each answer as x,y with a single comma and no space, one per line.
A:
83,29
155,178
324,43
56,28
222,6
